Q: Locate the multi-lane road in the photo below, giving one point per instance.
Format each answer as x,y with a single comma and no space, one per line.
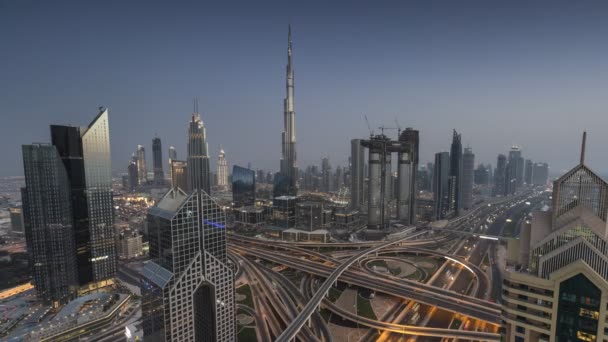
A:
465,294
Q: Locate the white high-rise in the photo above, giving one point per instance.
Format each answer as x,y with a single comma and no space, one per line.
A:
222,170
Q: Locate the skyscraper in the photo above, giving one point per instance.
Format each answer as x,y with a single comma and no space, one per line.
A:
288,159
500,176
515,170
407,170
326,174
133,179
468,164
357,158
157,161
529,170
540,174
560,283
456,173
48,224
142,172
85,153
187,287
179,175
222,170
172,154
243,187
198,157
440,184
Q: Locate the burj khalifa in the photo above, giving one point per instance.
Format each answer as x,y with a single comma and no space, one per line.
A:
286,184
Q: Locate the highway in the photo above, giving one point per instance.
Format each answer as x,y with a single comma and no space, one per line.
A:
349,267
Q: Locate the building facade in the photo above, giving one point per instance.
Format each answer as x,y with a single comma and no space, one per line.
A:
455,186
187,287
222,170
142,171
289,169
243,187
468,165
199,176
49,230
85,153
157,161
16,215
559,289
440,185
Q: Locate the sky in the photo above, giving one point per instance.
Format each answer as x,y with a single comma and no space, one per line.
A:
527,73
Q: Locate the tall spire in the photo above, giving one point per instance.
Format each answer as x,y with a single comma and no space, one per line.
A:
583,146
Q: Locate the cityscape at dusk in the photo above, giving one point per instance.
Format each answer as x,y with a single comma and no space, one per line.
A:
303,171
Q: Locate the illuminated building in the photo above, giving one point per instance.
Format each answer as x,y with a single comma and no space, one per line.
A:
187,286
85,153
198,158
179,175
559,289
222,170
172,154
142,171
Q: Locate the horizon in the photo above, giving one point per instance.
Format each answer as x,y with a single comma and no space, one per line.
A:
501,76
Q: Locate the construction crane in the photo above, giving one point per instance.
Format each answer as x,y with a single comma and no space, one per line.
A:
371,132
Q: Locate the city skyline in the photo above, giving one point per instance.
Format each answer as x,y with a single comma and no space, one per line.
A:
524,80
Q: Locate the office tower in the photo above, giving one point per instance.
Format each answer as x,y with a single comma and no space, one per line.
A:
16,215
222,170
157,161
288,160
500,176
142,172
540,174
560,282
339,178
456,173
482,174
85,153
357,158
243,187
187,287
440,184
407,169
133,176
529,170
179,175
198,159
48,224
468,163
430,168
172,154
326,174
515,171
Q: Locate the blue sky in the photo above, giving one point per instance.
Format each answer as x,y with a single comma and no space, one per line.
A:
533,74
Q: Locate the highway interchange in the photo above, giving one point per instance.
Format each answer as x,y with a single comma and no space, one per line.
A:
456,301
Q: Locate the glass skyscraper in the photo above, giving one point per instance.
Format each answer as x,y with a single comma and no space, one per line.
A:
187,288
243,187
157,161
198,158
85,153
48,224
